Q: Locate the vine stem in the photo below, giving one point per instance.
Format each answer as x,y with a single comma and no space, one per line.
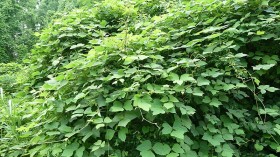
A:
144,119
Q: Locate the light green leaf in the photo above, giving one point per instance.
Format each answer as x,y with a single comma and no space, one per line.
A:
144,146
117,107
122,133
187,78
128,105
161,148
147,153
263,66
77,46
69,150
172,98
107,120
109,134
228,136
127,118
65,129
215,102
214,140
260,32
177,148
178,134
227,151
197,92
167,129
142,103
187,110
202,81
79,96
168,105
258,147
157,107
129,59
272,89
80,151
240,55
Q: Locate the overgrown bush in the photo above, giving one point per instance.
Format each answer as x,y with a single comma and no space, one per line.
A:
199,79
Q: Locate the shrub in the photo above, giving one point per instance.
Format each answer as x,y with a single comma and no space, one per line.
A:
197,80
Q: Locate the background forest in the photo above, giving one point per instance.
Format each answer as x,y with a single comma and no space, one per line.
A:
150,78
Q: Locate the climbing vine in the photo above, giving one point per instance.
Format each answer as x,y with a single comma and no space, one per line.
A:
194,78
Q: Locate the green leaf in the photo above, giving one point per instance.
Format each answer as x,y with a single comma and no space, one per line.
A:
80,151
197,92
178,149
206,100
142,103
239,132
157,107
128,116
258,147
272,89
227,151
187,110
69,150
212,36
117,107
128,105
161,148
129,59
178,134
168,105
228,136
65,129
51,133
109,134
263,66
172,98
147,153
215,102
122,134
77,46
79,96
214,140
240,55
260,32
187,78
211,29
202,81
101,101
107,120
167,129
164,99
145,146
67,153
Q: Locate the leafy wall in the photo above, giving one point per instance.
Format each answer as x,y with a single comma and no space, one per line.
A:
186,79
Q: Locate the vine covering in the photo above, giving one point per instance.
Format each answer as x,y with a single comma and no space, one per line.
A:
151,78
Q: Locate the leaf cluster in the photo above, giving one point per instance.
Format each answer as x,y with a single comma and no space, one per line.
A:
197,79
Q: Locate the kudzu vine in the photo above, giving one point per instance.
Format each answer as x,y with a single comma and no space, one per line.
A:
195,78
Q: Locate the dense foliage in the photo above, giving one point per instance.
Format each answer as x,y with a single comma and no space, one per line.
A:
151,78
8,76
21,18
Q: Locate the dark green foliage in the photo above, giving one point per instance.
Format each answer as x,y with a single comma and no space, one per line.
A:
8,75
196,79
20,19
16,28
